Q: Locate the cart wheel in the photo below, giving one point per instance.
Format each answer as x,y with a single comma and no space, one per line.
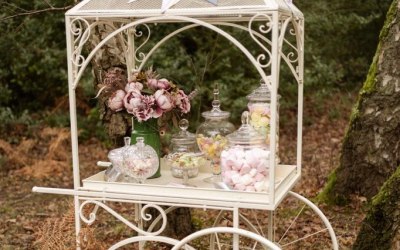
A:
296,224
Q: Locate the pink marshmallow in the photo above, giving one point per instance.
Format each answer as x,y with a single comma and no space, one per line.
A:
245,169
240,187
259,177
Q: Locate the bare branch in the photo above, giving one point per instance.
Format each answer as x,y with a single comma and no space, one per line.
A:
34,12
48,3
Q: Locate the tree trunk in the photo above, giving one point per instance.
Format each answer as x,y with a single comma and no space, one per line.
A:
118,124
371,147
381,227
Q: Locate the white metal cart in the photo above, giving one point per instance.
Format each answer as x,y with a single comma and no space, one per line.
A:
276,26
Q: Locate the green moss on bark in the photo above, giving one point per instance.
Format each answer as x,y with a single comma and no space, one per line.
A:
328,194
378,228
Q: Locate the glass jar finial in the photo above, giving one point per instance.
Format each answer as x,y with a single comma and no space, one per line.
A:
216,103
183,124
246,118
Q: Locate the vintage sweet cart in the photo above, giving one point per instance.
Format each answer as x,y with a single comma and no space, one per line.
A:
276,27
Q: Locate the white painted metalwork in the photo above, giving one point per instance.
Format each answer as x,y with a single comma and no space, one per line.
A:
277,29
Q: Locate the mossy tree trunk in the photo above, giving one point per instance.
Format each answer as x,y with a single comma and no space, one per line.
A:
381,227
118,124
371,148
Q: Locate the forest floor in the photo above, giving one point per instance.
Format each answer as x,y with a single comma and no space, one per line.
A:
30,220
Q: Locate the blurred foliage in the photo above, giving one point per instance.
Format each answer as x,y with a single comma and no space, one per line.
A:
33,58
340,40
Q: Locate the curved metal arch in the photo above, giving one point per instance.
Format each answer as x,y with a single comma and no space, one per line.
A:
178,18
135,239
321,215
235,231
257,34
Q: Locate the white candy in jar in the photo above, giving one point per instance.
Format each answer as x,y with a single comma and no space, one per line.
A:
245,169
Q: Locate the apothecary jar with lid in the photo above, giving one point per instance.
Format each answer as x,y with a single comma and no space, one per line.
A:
245,162
211,135
185,158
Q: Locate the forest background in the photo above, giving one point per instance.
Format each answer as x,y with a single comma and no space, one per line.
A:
340,41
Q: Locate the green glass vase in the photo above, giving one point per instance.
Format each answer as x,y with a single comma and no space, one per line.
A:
149,131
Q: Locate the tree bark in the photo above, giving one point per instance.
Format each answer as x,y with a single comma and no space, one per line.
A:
381,227
371,147
118,124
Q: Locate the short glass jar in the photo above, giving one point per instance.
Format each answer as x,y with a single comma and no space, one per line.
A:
185,157
245,162
140,161
211,136
116,156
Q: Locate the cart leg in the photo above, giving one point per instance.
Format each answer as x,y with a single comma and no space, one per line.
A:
138,219
77,221
271,226
236,225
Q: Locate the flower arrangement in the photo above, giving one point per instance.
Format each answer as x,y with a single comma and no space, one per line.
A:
145,95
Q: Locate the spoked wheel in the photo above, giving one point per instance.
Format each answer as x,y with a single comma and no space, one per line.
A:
296,224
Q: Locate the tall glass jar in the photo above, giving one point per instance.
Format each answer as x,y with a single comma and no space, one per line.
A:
211,136
185,157
245,162
259,106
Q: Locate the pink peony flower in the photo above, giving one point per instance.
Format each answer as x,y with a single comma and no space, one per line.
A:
116,101
163,102
145,110
182,102
132,100
133,86
158,84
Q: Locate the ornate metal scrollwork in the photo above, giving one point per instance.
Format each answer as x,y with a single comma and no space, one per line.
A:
265,28
80,30
139,56
145,216
293,51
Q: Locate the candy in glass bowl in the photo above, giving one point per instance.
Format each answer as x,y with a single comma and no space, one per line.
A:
185,157
211,136
140,161
246,159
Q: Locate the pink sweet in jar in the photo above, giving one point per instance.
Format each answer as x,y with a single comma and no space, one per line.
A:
245,162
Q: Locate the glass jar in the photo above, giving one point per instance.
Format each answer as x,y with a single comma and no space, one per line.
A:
185,157
115,156
245,161
259,106
140,161
211,134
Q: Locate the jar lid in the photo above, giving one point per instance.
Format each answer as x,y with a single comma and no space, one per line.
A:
115,153
246,134
183,136
216,112
261,93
